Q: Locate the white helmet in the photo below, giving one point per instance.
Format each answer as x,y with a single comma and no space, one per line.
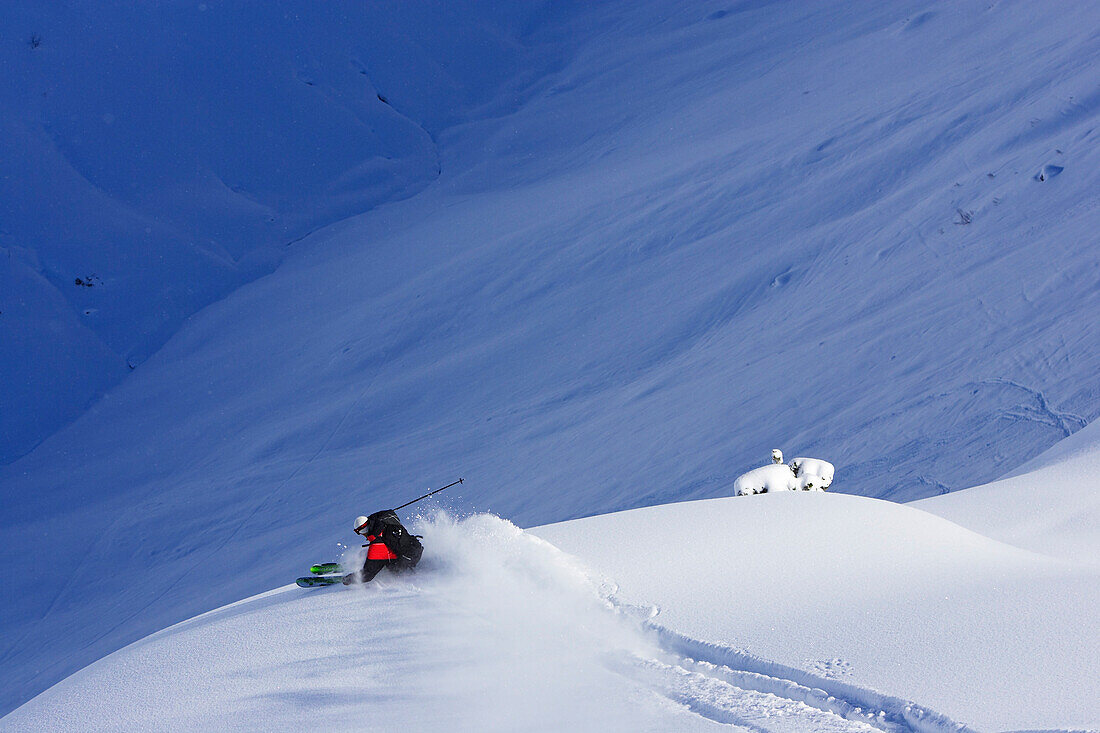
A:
360,523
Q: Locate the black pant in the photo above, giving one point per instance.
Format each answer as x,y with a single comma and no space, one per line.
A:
374,567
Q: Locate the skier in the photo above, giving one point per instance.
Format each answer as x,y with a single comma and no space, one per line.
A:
389,544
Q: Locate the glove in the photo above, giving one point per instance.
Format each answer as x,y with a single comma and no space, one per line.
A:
348,579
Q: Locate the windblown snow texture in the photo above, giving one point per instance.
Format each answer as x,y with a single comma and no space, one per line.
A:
611,255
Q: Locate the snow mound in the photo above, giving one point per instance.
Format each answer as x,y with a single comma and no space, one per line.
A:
865,592
497,630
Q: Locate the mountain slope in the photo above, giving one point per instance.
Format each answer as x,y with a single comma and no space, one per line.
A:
702,233
156,157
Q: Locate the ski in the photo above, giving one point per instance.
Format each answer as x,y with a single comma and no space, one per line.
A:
314,581
326,567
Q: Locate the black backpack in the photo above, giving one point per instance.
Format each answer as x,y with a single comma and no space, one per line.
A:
388,527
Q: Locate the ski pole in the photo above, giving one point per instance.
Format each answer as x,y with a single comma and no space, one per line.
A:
428,494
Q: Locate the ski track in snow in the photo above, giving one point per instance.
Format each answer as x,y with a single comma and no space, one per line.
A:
1067,422
732,687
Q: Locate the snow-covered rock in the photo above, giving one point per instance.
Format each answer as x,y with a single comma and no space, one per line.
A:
766,479
813,474
806,474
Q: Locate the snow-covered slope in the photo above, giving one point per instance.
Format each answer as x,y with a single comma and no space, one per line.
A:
154,157
688,235
790,612
494,632
873,593
1051,504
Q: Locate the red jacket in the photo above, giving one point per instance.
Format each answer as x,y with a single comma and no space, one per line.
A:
378,549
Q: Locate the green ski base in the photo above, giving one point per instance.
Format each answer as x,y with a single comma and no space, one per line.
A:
326,567
314,581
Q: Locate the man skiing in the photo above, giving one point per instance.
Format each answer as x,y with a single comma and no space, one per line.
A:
389,544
